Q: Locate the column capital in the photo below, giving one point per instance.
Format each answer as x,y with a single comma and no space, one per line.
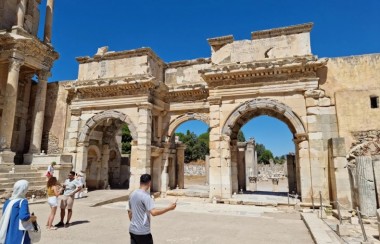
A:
43,75
215,100
147,106
15,64
300,137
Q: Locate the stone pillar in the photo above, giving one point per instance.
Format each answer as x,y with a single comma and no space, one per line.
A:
165,169
376,171
25,107
303,170
241,166
38,114
21,8
81,157
144,140
340,185
291,169
181,165
48,21
366,186
207,169
10,103
172,170
234,167
215,149
134,182
225,165
103,170
249,166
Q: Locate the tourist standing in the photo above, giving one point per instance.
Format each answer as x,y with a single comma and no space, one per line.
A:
15,209
53,190
81,182
141,206
50,170
66,201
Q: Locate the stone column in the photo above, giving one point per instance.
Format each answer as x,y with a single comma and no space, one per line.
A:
103,170
225,165
165,169
21,8
81,157
340,184
10,102
134,181
48,21
172,170
38,114
207,169
234,167
241,166
215,149
291,169
303,170
181,165
142,164
25,108
366,186
249,166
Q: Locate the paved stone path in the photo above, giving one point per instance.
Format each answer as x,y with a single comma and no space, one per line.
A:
194,221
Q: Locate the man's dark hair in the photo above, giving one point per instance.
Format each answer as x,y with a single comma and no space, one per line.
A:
145,178
72,173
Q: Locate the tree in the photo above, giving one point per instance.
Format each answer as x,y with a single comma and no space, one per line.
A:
266,156
197,147
240,136
126,139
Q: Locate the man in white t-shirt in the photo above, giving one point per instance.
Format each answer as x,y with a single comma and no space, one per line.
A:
141,206
66,201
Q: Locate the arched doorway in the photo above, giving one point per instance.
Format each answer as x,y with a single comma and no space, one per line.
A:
254,108
104,133
188,140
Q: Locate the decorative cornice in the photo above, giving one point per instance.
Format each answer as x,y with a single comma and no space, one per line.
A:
297,68
289,30
218,42
186,95
185,63
145,51
28,46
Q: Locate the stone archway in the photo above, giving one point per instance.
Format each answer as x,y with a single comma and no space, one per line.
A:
84,137
169,131
257,107
92,122
227,143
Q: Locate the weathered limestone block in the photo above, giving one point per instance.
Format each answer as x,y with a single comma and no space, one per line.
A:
324,102
376,171
366,186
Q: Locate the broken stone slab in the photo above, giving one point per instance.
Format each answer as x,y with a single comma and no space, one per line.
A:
345,230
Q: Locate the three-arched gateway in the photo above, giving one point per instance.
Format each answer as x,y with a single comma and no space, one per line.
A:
241,80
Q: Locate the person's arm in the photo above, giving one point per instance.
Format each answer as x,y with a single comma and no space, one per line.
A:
24,214
76,190
156,212
129,211
56,191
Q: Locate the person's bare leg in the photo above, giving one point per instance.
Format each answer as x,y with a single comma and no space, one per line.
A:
62,214
51,216
69,214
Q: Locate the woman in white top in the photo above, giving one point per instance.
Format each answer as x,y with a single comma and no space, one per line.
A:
50,170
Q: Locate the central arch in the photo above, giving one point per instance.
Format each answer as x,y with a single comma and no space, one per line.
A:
273,108
256,107
169,131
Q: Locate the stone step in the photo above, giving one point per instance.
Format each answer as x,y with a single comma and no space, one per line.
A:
31,184
29,179
20,175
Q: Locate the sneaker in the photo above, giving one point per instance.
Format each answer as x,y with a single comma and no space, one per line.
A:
60,224
53,228
67,225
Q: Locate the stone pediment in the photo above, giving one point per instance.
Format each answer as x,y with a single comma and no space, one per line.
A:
296,68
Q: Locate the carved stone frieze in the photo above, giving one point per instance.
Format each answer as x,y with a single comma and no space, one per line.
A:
300,68
186,95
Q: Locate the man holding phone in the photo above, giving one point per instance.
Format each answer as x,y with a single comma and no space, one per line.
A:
141,206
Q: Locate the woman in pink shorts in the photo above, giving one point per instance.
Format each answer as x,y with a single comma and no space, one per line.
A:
53,190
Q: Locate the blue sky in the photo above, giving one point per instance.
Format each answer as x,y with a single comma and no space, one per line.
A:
178,29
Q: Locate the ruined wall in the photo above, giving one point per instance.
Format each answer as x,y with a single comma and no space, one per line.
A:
283,46
108,67
350,82
179,76
8,15
55,119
